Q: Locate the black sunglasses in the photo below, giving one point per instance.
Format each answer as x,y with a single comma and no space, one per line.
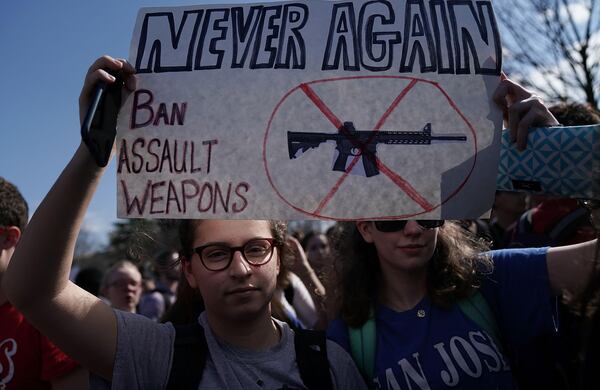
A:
396,226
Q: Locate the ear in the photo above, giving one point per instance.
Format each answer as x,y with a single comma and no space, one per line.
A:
186,266
365,228
10,237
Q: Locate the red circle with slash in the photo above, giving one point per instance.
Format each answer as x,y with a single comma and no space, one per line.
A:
306,88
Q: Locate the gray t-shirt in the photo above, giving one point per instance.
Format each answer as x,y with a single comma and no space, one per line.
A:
145,352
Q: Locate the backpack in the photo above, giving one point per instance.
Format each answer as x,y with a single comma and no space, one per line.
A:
363,340
523,235
189,358
168,296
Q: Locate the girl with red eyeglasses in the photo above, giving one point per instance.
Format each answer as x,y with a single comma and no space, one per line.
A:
233,265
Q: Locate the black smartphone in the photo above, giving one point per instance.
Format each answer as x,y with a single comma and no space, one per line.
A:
99,126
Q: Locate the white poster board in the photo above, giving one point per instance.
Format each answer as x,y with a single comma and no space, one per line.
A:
312,109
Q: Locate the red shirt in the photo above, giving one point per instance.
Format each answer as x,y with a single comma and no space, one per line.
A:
28,360
550,212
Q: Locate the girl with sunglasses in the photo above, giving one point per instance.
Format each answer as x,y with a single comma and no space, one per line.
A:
443,315
233,264
425,305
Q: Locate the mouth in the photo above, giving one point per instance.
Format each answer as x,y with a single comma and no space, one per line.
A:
242,290
411,249
411,246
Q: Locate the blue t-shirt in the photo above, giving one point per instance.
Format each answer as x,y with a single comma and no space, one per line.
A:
429,347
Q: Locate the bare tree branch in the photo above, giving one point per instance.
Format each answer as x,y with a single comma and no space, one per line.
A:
555,40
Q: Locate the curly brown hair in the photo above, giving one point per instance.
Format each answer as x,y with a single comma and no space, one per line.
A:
454,271
575,114
13,207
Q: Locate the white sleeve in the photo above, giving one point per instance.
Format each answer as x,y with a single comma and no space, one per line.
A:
303,302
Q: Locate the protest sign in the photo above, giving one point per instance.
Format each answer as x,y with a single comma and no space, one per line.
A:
320,109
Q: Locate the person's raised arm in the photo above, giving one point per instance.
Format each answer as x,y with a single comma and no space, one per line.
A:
37,278
574,270
521,109
570,268
77,379
303,269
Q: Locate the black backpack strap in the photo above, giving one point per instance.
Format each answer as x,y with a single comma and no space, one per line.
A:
311,356
567,226
189,357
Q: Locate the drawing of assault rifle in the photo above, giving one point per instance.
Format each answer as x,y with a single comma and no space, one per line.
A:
352,142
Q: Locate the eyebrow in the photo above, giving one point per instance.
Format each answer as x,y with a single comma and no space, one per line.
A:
221,243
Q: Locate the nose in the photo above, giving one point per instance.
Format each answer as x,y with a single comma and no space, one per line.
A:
239,267
412,228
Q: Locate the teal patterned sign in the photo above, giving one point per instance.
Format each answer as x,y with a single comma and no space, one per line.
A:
562,161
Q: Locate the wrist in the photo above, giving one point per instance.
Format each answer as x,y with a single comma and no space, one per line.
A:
85,160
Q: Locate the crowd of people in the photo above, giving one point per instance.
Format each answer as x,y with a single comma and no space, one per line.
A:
400,304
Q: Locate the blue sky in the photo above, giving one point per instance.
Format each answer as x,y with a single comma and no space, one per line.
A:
46,49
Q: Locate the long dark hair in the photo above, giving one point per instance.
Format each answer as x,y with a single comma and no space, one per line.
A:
453,272
187,306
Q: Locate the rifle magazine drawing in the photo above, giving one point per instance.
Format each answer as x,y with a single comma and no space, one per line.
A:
363,143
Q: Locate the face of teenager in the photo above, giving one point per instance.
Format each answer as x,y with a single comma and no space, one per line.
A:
317,249
407,250
241,290
124,288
